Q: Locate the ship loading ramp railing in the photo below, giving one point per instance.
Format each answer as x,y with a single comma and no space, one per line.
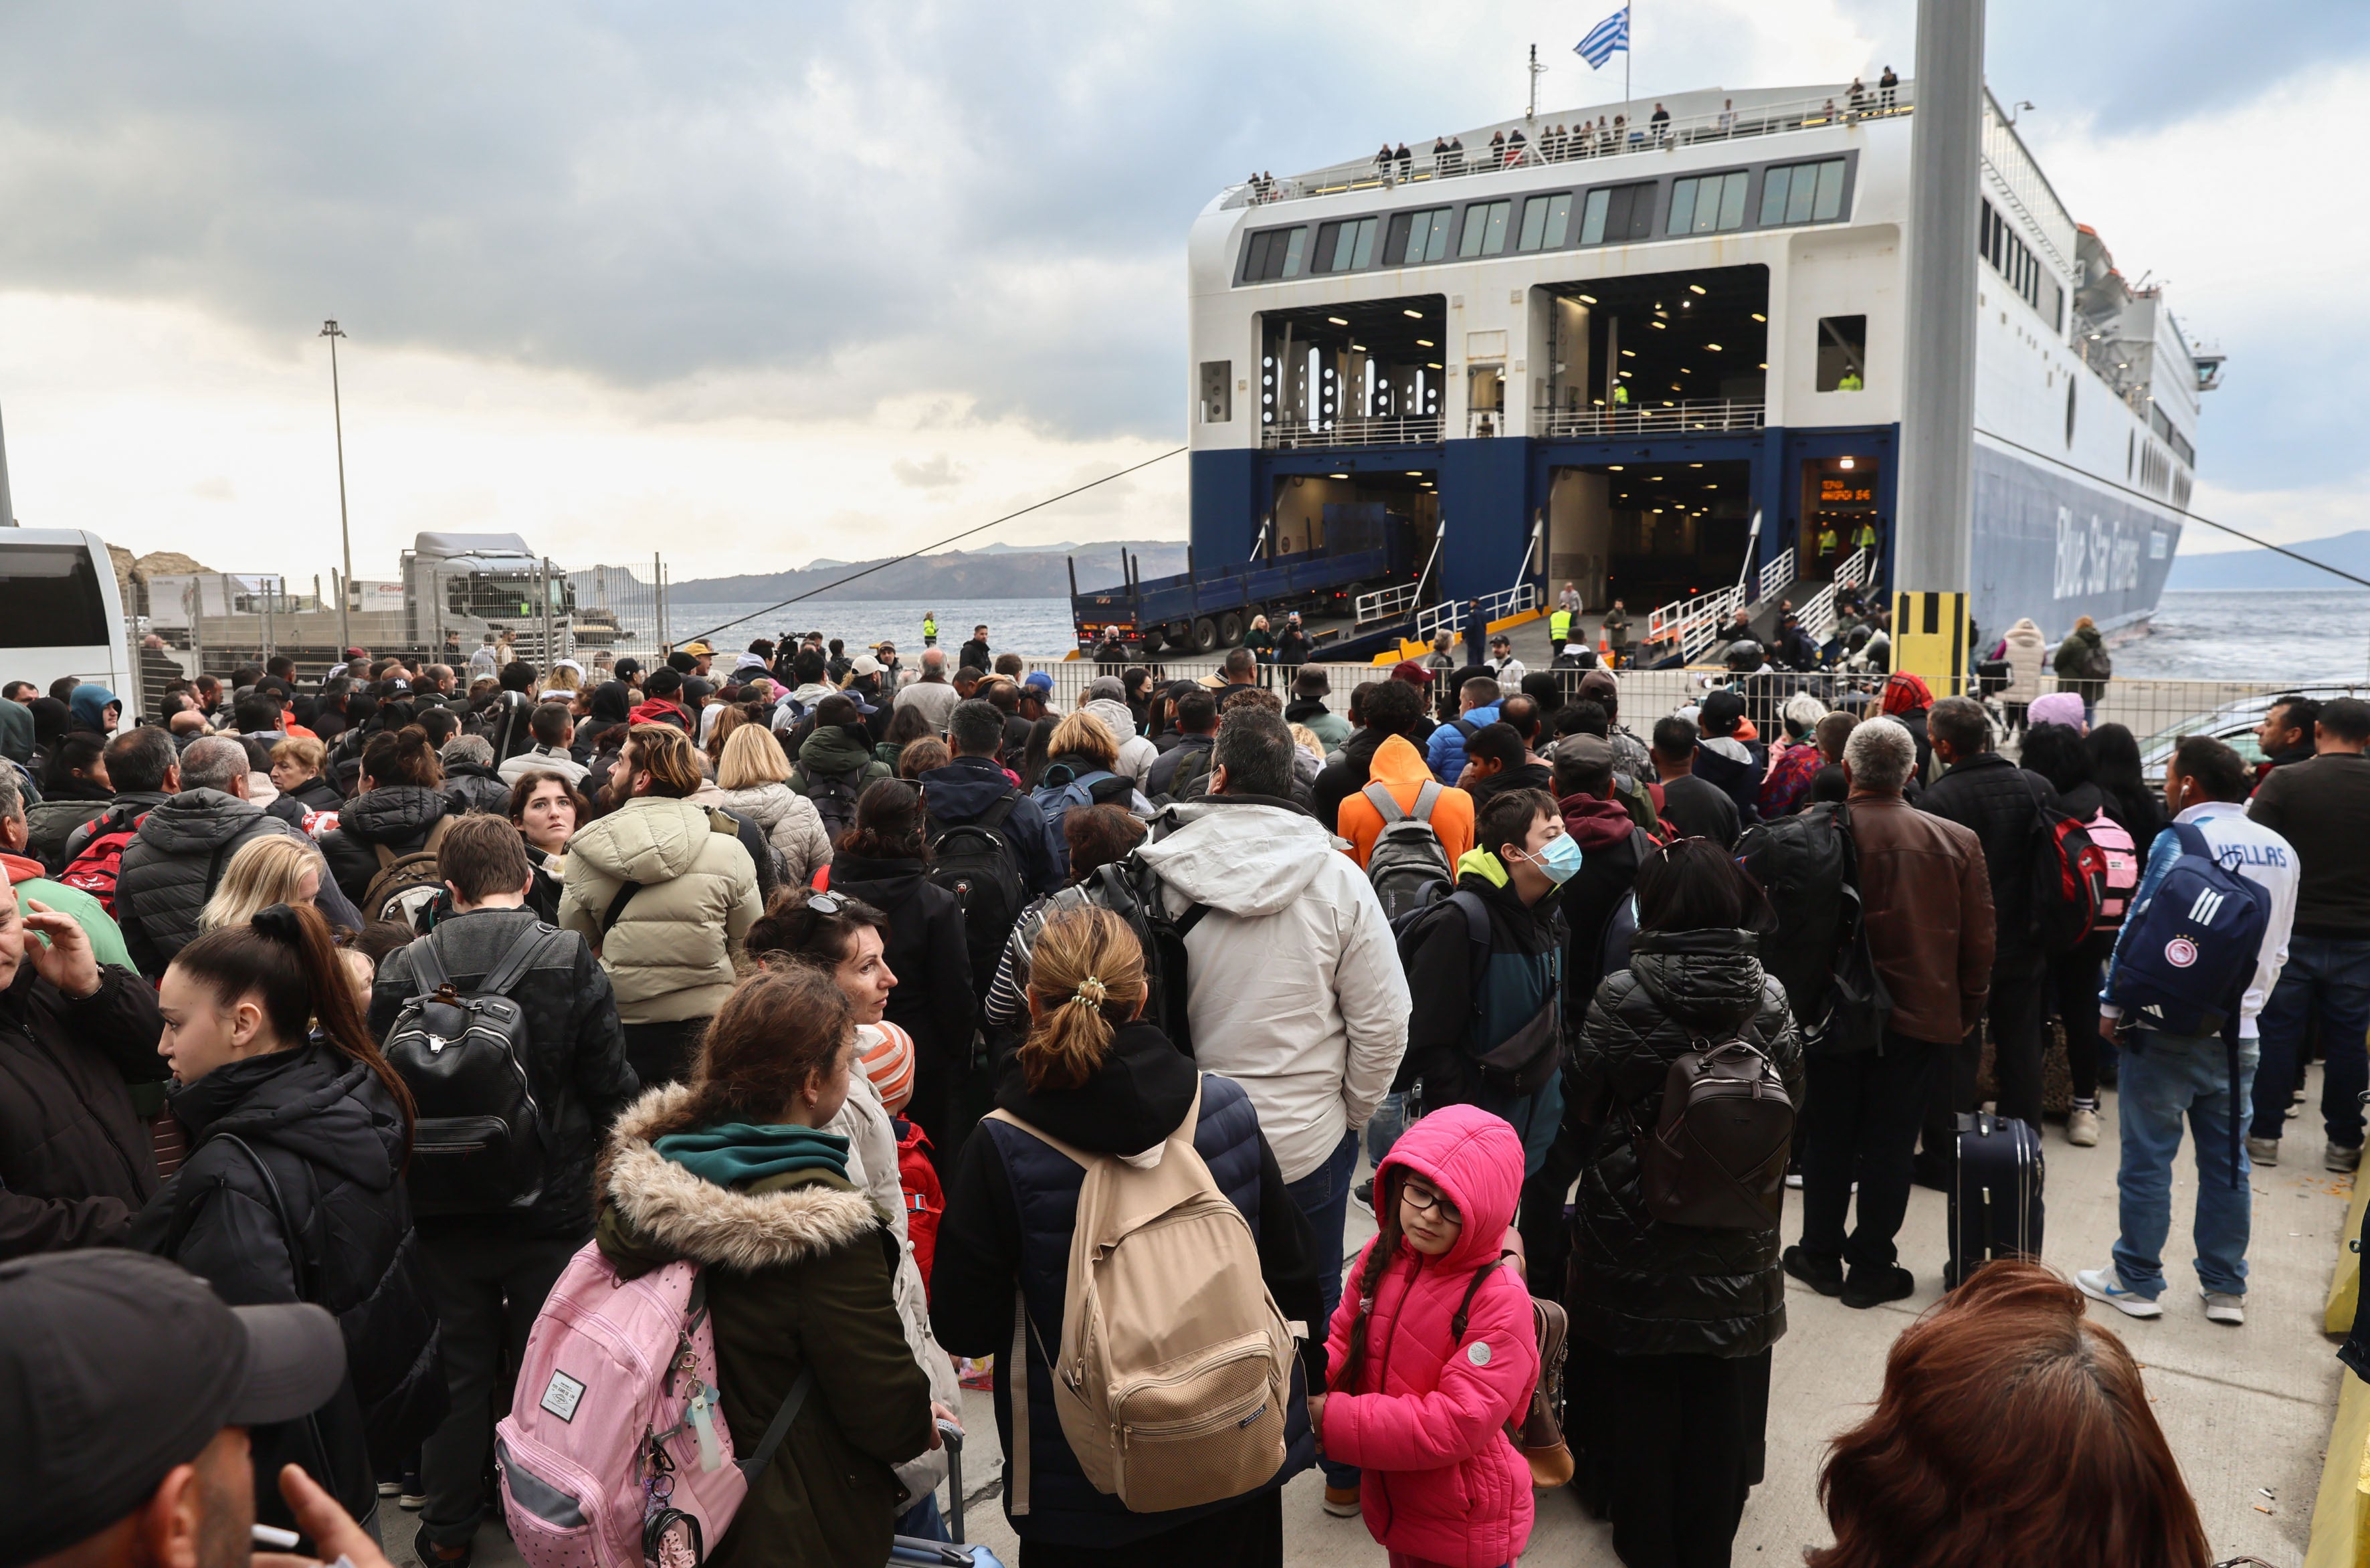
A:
1202,608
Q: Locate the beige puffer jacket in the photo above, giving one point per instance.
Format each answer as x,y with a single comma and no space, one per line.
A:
788,820
669,956
2028,656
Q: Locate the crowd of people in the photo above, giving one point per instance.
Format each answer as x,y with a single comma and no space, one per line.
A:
885,1000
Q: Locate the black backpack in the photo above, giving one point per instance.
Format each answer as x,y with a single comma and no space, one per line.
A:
976,863
1132,890
835,796
1800,861
1716,1156
1524,1060
479,1146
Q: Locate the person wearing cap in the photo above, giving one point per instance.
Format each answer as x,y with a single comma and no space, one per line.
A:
663,700
1629,755
130,1399
1036,697
1503,663
1733,765
702,656
1310,687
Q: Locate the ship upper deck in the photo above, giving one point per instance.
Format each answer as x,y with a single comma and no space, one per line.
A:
1600,130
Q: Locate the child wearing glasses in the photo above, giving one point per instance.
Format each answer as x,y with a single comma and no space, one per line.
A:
1432,1350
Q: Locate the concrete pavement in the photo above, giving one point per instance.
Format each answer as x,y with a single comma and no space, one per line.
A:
2247,1409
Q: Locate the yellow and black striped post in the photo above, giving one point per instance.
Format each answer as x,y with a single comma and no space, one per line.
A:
1929,640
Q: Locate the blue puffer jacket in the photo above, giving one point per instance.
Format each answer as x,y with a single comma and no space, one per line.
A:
1446,751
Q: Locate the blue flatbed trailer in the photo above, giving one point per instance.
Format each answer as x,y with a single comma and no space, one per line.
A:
1196,611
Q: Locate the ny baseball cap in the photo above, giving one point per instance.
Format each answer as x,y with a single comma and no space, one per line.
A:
1039,681
115,1366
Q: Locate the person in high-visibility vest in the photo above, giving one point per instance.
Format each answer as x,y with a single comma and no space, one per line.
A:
1560,629
1864,536
930,628
1829,542
1620,396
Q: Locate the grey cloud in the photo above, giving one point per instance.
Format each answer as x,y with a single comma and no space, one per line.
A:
935,472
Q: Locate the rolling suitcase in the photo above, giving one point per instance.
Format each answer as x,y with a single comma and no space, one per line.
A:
947,1554
1994,1195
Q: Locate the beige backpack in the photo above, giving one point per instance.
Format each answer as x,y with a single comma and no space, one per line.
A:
1175,1369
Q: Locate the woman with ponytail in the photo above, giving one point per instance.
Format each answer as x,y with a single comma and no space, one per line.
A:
1093,1074
293,1189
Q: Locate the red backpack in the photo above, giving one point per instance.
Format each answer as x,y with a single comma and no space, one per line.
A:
94,871
2069,881
923,1197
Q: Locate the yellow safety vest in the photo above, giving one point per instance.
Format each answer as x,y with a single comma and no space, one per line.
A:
1864,538
1826,541
1560,626
930,626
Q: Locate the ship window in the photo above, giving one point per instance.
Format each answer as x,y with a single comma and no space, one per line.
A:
1485,229
1545,221
1616,213
1276,253
1345,247
1707,204
1842,354
1416,237
1802,193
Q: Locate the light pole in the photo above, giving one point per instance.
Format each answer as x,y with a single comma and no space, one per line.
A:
330,331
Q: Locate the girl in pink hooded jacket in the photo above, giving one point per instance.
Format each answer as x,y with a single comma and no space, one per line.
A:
1418,1409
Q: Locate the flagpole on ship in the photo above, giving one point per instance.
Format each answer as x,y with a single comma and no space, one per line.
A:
1628,52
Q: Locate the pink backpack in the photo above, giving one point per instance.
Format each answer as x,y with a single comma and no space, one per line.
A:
615,1452
2123,868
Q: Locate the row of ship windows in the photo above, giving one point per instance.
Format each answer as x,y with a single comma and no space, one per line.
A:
1711,203
2015,261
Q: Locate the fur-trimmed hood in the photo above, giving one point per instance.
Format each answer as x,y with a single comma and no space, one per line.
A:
783,1220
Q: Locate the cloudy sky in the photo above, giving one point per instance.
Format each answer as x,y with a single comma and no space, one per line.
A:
751,283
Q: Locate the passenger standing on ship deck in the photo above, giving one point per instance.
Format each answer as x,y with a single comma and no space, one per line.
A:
1406,162
1885,89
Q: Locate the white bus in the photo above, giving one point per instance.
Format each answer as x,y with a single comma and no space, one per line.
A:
59,613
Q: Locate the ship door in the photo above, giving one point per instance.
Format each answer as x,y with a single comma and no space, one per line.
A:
1838,514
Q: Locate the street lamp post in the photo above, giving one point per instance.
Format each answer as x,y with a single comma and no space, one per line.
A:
330,331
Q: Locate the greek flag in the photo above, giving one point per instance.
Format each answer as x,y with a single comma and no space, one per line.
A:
1604,39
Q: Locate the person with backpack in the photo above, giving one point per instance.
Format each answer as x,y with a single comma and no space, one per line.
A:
886,860
549,1069
1097,1100
1926,917
835,763
1476,700
2058,754
1293,982
2002,804
988,840
1391,710
2197,960
175,857
382,852
1094,837
1675,1293
292,1191
1612,848
1399,789
665,892
1426,1382
848,938
143,764
1081,770
733,1172
750,783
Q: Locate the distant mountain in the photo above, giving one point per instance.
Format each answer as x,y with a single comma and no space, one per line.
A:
995,572
2269,569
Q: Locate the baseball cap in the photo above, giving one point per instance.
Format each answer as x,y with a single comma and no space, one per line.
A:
1408,670
1591,752
698,649
357,652
864,665
1039,681
115,1366
1599,682
1721,710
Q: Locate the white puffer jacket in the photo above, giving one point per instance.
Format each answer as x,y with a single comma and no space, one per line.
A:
1136,754
669,956
872,1165
2028,656
788,820
1294,989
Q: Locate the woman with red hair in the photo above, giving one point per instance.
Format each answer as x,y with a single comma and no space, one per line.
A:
2012,1431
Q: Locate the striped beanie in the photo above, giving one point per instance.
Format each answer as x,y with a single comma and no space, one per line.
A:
887,1056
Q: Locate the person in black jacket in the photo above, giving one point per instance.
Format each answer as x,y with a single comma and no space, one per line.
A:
1672,1324
490,1273
471,784
1095,1075
1734,766
76,1164
175,861
397,803
2000,804
296,765
884,861
293,1189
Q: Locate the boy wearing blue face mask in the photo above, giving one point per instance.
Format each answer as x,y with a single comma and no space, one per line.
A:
1484,968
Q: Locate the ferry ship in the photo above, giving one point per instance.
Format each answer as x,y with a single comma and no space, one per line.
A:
1655,349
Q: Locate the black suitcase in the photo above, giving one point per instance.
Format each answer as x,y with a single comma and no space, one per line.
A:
1994,1195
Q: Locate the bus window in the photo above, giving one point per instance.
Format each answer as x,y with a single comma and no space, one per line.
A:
50,598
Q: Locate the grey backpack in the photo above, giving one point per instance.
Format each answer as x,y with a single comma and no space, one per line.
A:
1409,866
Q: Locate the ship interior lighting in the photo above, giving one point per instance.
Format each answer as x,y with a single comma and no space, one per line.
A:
1337,476
1424,343
1844,462
1339,320
1713,346
1629,353
1696,288
1758,317
1413,315
1585,299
